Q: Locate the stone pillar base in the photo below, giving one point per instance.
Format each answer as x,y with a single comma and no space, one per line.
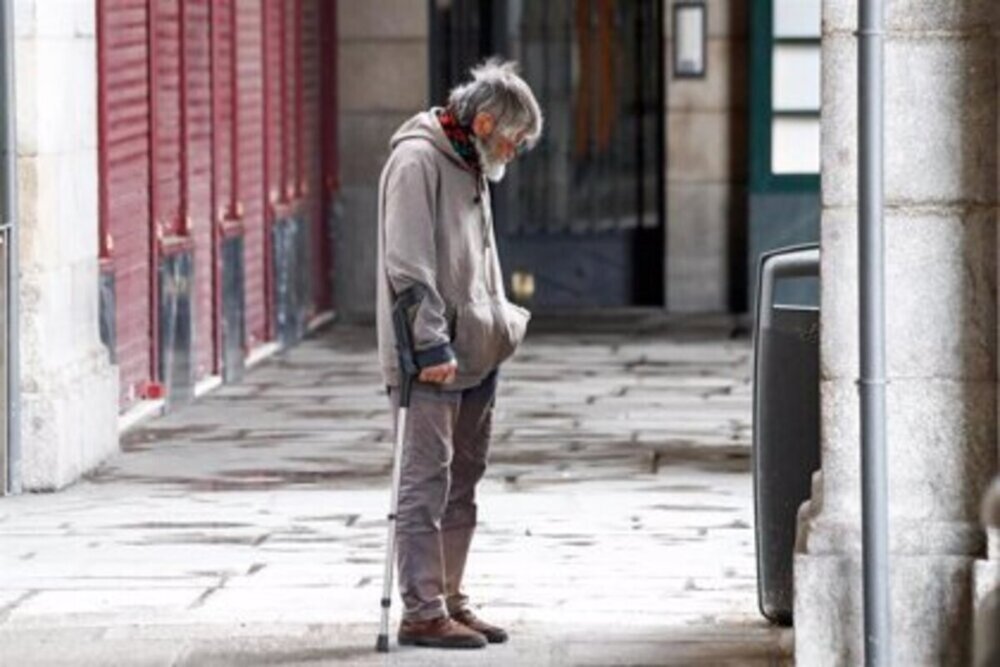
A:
987,614
931,606
986,584
69,422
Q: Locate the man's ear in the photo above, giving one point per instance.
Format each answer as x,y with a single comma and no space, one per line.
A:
482,125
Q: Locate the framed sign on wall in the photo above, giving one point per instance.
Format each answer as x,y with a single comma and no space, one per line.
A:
690,25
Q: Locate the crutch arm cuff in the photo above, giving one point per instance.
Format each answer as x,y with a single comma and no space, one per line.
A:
435,356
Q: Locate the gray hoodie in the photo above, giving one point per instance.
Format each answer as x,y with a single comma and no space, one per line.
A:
435,230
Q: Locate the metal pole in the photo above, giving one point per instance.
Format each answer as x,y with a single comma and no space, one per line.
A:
8,103
382,643
874,484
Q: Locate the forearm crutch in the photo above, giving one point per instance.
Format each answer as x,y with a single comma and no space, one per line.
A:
401,313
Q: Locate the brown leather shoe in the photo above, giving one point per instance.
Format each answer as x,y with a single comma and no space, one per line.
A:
439,632
493,634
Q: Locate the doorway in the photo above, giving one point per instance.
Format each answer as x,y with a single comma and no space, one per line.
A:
580,220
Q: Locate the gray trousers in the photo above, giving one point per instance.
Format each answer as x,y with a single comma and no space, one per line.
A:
444,456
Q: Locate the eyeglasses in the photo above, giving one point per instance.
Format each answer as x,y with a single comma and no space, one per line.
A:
519,147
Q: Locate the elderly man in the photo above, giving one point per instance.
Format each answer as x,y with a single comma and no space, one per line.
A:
436,236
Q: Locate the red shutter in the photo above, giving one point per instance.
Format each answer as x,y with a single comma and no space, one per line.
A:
166,117
223,117
274,132
290,95
123,118
251,177
274,98
329,151
198,166
315,108
210,110
223,154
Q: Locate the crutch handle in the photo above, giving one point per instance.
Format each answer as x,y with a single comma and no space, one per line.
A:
403,311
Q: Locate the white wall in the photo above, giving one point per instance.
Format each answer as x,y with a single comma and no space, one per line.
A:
68,388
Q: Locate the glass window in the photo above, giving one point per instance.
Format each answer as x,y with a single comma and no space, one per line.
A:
795,85
797,18
795,143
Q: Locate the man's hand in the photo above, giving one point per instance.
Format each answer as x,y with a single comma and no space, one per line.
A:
440,374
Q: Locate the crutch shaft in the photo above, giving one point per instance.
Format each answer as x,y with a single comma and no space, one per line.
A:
402,315
390,550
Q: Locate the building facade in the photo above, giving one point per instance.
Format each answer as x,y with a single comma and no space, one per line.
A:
189,170
180,155
745,140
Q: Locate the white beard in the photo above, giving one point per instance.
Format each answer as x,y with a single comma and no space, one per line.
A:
493,170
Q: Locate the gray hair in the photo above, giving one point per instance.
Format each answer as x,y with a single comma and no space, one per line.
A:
497,89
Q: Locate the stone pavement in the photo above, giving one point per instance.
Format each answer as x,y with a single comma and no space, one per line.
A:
248,528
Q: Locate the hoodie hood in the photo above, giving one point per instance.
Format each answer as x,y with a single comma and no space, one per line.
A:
425,126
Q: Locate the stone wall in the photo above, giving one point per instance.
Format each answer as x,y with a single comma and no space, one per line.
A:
69,393
382,80
986,585
707,137
986,581
941,305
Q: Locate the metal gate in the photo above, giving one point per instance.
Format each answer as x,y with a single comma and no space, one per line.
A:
580,219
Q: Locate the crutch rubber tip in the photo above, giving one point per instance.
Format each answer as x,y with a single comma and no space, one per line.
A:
382,645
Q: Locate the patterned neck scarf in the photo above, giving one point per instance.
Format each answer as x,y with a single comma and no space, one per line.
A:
460,137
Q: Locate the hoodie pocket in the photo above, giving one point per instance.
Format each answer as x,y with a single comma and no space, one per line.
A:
487,333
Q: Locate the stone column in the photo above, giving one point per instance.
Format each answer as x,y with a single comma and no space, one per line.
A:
987,585
941,248
382,80
69,392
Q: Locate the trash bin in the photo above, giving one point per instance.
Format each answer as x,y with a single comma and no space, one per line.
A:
785,421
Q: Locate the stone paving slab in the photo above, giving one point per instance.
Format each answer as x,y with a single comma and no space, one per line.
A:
57,651
284,644
249,528
95,601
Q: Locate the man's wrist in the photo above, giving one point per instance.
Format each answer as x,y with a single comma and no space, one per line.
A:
435,356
